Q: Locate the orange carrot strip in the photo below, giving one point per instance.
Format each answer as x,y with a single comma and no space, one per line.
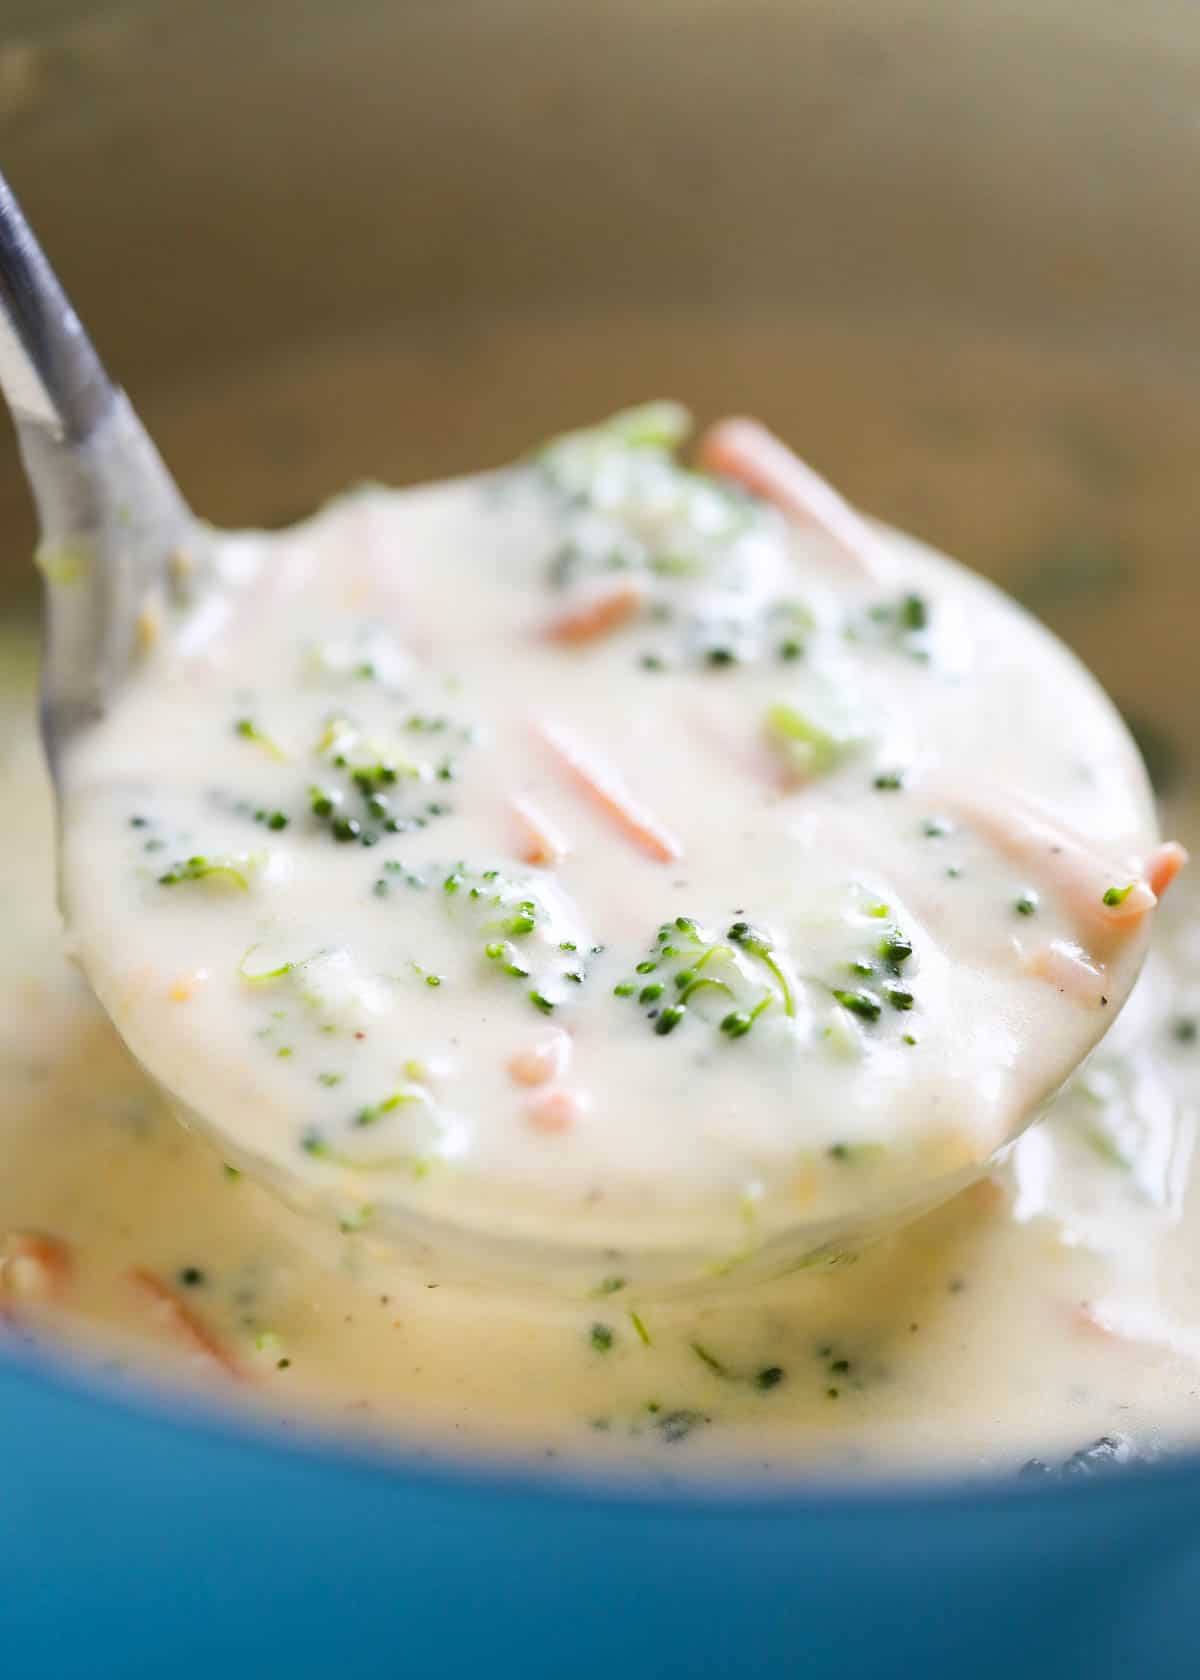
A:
594,612
609,794
545,842
1119,1321
1163,864
553,1112
181,1323
34,1267
746,451
1069,970
1087,1318
547,1059
984,1196
1102,1321
1080,873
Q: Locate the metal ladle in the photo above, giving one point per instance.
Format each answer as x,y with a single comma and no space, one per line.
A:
112,519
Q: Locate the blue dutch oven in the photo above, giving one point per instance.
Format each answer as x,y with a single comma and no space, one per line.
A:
844,216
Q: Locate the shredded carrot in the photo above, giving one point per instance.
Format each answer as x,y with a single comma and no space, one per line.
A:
1070,970
1087,1316
547,1059
553,1112
1120,1321
1098,890
1084,1317
595,612
34,1267
181,1323
609,794
746,451
545,843
1163,864
984,1196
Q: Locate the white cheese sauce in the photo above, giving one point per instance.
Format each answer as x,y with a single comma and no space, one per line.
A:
1048,1307
1052,1306
592,863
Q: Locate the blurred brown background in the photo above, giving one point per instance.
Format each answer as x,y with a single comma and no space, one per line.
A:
949,247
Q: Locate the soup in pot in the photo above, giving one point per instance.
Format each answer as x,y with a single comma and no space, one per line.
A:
1044,1314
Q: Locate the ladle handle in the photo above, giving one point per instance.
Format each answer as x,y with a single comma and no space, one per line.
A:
49,370
110,513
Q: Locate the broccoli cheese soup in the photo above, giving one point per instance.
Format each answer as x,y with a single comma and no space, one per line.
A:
600,874
608,863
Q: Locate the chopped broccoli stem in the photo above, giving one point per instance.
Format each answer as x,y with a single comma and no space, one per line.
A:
861,1002
250,731
709,1359
895,949
812,744
856,1154
265,975
233,871
374,1112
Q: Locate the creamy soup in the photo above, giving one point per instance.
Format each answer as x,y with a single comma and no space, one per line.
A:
604,860
1048,1308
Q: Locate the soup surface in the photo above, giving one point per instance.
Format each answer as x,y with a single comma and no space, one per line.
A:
1044,1309
595,843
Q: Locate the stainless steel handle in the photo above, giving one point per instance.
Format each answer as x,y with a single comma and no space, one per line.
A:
109,511
49,371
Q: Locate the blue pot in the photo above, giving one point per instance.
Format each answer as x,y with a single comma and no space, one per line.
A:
135,1543
291,169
